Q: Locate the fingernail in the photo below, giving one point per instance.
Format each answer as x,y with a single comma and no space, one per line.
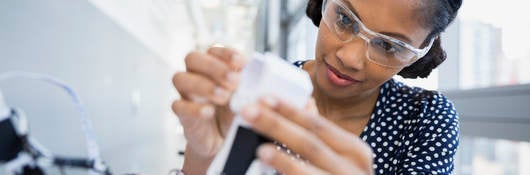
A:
270,101
221,93
207,111
232,77
265,153
250,112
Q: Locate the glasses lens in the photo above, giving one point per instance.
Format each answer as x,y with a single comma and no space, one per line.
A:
340,22
389,53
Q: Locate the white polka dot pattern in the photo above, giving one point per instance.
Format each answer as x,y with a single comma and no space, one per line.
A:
412,131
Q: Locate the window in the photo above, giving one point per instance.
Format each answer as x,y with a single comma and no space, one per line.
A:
493,48
479,155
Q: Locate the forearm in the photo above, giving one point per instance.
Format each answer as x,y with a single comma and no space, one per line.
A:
194,164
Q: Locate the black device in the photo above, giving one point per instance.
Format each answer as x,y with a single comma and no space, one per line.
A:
243,151
11,144
16,141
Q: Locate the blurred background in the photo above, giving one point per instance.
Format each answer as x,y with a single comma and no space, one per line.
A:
120,56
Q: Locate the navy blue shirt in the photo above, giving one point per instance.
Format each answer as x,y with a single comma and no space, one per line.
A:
411,131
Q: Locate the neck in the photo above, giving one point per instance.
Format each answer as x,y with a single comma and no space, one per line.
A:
352,108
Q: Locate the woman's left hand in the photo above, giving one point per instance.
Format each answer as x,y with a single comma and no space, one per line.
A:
327,148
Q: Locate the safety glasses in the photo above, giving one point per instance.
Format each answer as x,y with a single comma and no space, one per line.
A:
381,49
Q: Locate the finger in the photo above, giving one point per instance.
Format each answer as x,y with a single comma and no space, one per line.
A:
188,110
295,137
195,87
285,163
338,139
230,56
311,106
213,68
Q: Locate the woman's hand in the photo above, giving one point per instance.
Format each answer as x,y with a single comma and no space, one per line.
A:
205,88
327,148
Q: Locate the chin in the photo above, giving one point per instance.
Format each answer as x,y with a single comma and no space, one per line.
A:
323,85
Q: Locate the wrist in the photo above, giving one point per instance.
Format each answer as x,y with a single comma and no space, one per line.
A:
194,163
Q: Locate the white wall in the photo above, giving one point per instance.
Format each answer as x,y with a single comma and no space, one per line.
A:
74,41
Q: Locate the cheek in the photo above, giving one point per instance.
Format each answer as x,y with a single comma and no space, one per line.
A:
321,45
377,74
326,43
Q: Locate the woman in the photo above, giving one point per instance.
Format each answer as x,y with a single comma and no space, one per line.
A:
363,121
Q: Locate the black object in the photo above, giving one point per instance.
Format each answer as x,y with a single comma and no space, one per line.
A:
30,170
10,144
181,153
73,162
243,151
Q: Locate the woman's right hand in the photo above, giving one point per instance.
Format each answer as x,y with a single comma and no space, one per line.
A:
205,88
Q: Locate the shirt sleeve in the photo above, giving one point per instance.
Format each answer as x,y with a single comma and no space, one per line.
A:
434,142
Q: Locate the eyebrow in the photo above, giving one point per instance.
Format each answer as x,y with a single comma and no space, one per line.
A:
392,34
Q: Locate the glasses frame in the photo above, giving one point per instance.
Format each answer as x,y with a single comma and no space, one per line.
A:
419,53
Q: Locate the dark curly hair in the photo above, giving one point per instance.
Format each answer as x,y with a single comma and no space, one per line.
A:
434,14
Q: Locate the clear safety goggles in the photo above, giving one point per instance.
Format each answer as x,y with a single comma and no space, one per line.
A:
381,49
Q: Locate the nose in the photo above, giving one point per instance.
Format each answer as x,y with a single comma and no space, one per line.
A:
352,54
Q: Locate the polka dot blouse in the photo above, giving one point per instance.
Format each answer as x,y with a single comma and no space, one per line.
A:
411,131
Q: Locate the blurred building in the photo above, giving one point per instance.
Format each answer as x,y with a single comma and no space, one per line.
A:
482,54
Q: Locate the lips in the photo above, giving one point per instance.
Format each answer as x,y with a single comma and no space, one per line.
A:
338,78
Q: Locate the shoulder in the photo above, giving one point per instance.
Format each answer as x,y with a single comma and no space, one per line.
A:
419,100
423,109
430,129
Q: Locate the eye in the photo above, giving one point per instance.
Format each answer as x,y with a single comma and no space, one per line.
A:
385,46
346,22
342,18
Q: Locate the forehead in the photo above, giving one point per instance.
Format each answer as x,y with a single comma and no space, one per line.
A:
393,16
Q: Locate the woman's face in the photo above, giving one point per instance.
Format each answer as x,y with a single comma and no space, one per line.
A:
342,69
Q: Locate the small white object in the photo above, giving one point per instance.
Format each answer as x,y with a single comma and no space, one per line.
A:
269,75
4,109
258,168
264,75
